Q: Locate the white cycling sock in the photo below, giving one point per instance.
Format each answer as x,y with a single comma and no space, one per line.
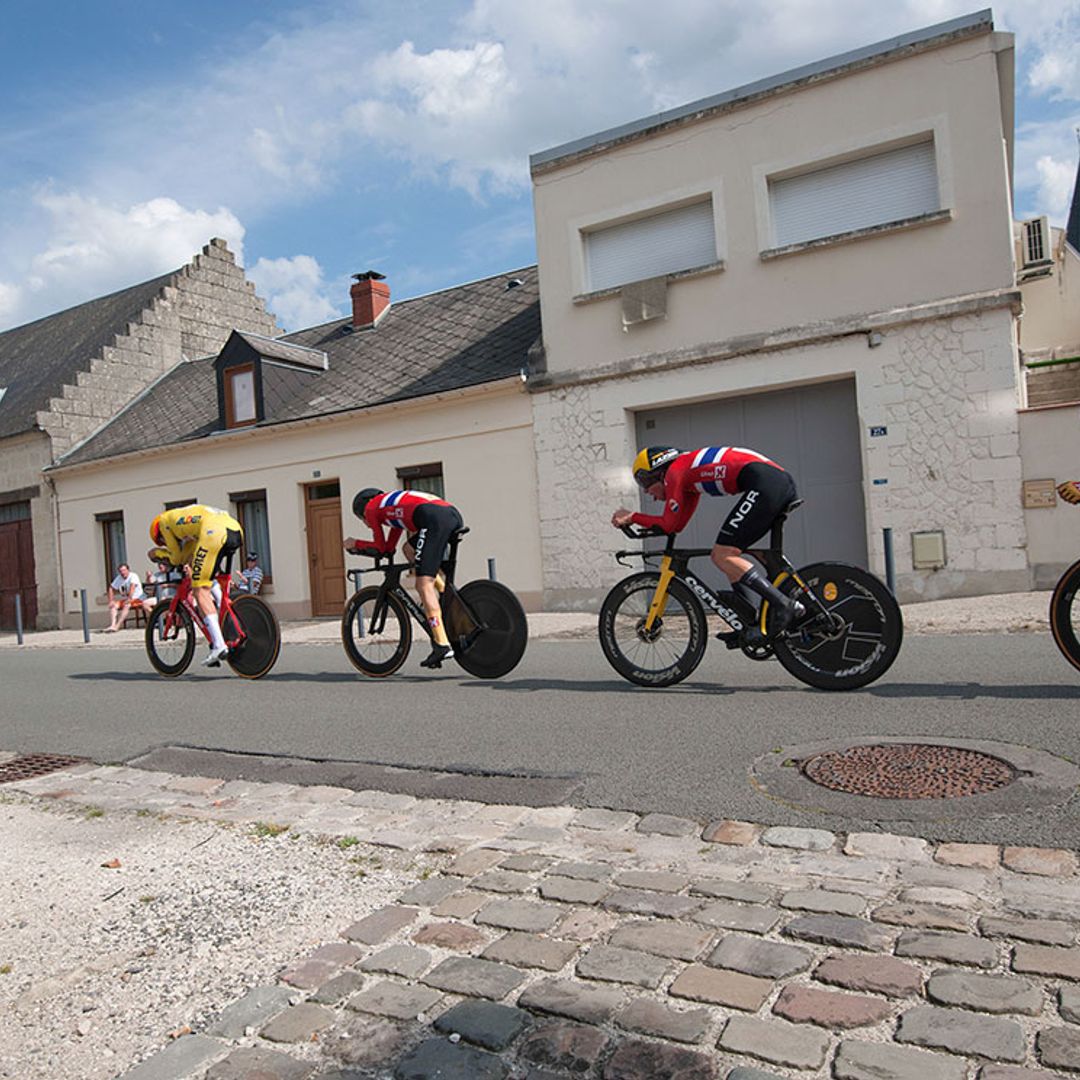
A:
214,626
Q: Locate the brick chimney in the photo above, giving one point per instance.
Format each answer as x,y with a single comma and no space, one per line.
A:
370,298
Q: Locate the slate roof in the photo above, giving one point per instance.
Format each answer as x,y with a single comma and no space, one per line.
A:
464,336
38,359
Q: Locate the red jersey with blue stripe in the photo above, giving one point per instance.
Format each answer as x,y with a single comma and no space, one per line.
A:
395,510
712,470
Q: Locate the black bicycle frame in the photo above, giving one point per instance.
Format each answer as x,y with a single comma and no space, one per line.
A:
736,611
391,583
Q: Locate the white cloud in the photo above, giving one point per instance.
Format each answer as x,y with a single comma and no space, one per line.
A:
1055,187
294,290
91,249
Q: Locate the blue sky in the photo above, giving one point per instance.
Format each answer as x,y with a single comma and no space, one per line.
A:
325,138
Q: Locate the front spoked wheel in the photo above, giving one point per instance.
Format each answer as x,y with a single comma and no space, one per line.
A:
1065,615
853,633
376,635
257,651
502,631
666,652
170,639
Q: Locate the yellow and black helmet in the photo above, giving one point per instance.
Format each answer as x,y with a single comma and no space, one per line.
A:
652,462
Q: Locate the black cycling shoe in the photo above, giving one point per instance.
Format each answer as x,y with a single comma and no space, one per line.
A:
731,638
785,616
438,654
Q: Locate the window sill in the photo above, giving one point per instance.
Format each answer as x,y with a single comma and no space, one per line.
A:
679,275
904,224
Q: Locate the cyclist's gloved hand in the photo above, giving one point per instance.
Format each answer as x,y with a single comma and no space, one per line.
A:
355,547
1070,491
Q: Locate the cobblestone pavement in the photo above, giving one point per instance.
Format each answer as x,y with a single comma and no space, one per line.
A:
564,942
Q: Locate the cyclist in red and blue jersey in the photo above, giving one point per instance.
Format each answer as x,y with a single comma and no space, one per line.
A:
429,522
763,488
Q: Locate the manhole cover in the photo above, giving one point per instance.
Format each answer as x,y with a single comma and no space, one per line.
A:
908,771
30,765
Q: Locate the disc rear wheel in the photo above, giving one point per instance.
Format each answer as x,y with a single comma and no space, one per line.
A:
257,651
852,635
502,632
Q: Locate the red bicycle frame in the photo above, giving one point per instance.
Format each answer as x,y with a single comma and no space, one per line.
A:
226,613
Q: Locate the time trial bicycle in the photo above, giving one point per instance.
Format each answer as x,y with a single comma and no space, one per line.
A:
484,620
653,625
248,624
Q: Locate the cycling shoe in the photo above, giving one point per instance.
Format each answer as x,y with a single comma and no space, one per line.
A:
438,654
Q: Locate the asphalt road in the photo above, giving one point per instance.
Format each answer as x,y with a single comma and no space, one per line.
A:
560,728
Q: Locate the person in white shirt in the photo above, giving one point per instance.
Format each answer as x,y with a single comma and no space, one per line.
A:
123,588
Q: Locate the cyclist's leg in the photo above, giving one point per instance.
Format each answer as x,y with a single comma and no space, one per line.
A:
767,491
436,526
211,552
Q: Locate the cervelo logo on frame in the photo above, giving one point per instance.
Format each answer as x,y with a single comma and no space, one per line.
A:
703,593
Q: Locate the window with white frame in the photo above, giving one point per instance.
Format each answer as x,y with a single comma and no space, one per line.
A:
876,189
666,242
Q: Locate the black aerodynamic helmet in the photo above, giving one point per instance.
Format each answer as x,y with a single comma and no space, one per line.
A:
362,498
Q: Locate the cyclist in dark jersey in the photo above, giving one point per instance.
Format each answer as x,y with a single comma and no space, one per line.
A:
429,523
681,477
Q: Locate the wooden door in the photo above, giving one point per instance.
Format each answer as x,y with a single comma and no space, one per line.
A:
326,557
17,566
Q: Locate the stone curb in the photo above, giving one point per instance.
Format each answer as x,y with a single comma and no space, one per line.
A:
716,950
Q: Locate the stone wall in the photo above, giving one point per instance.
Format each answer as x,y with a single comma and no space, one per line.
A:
949,396
191,317
944,386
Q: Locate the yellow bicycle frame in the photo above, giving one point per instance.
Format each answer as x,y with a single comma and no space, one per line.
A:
660,597
776,584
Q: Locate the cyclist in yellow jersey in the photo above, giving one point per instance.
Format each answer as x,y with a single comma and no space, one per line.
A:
202,539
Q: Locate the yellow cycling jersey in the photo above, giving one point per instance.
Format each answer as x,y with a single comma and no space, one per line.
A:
195,534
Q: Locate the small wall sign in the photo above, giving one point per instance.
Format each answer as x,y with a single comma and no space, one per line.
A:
879,430
880,481
1039,495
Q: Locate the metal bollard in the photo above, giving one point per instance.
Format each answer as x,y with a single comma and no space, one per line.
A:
85,617
890,561
18,619
354,577
491,570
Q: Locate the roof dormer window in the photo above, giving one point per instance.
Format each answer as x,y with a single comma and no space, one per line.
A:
240,396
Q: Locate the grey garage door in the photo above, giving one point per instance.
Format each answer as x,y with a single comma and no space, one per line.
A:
813,431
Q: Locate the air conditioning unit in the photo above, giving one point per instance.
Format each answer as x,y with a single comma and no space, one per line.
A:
1036,249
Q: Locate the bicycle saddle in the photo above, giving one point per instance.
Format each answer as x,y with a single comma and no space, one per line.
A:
459,533
792,506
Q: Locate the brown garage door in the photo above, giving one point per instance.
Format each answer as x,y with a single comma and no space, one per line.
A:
17,565
813,431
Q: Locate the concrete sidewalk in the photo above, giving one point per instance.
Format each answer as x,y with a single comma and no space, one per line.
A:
561,941
1004,613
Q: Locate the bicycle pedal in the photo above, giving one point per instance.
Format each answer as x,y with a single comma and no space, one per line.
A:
731,638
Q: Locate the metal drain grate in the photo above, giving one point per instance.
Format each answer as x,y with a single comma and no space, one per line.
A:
908,771
28,766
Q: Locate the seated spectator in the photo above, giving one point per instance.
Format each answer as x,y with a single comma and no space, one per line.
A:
164,588
250,579
123,589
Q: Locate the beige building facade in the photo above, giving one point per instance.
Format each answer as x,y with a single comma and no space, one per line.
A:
486,432
845,226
